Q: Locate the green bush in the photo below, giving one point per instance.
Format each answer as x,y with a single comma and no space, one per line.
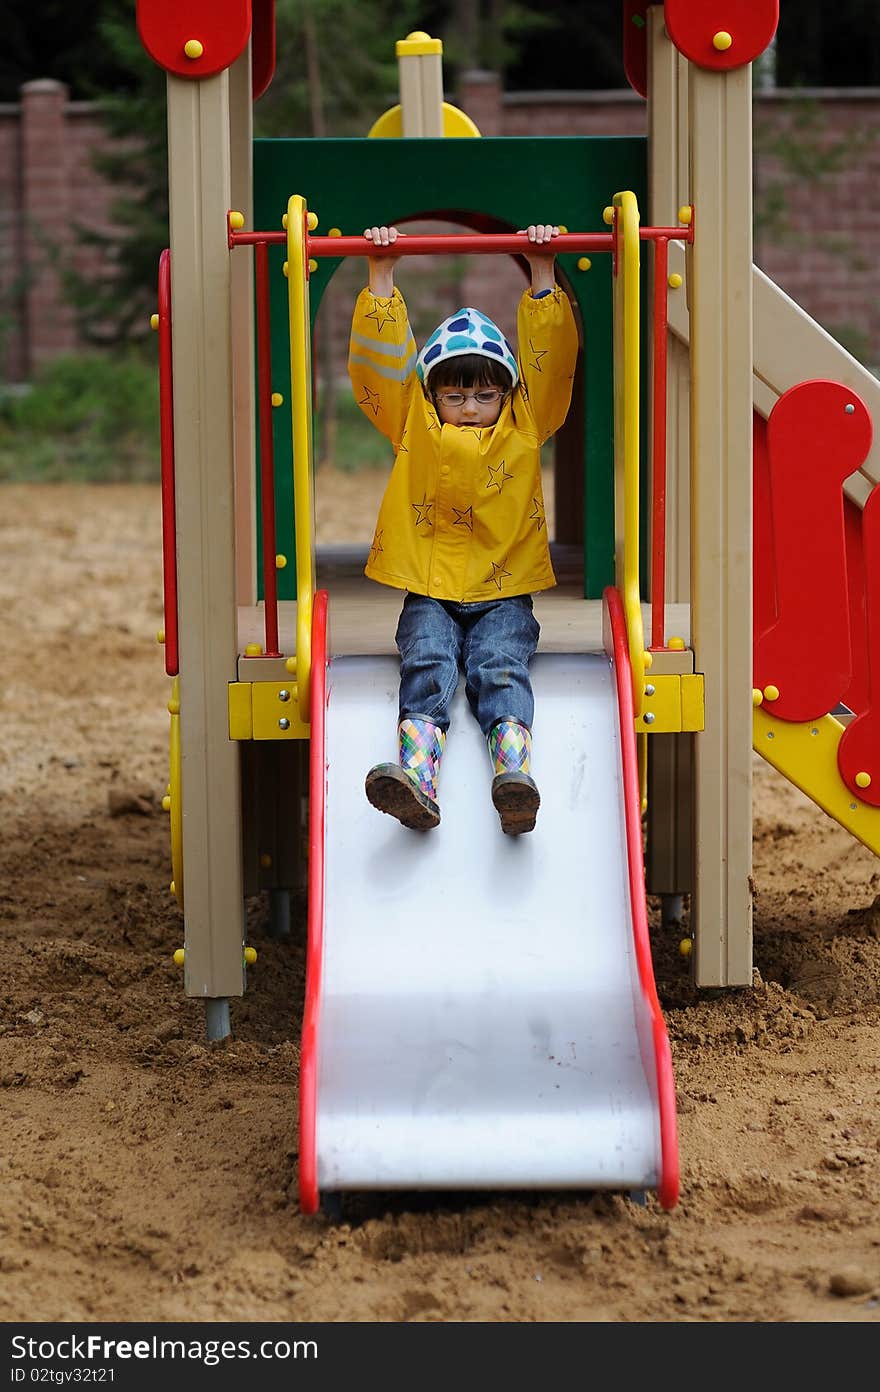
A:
89,417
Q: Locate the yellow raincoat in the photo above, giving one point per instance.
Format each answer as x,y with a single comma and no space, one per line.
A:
463,513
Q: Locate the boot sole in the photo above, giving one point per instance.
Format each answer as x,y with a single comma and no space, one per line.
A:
392,790
516,800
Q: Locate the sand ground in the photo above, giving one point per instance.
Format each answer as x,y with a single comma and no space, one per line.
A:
149,1176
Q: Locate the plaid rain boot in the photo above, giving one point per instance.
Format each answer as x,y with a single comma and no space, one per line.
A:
408,790
514,792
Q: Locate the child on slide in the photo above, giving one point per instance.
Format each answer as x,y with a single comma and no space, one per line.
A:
461,527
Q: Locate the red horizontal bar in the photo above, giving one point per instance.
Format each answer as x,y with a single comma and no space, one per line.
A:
460,244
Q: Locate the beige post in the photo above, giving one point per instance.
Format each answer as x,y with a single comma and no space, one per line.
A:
199,192
669,859
720,267
420,75
241,146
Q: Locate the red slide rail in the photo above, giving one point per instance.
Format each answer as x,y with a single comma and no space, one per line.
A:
309,1197
667,1187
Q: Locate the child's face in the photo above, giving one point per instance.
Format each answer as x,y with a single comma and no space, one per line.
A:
463,405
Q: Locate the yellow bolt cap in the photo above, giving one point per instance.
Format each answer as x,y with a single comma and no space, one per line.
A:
193,48
584,263
252,650
313,265
335,232
674,281
608,215
174,707
166,803
154,321
863,780
644,804
280,562
179,954
284,268
676,645
771,693
277,399
236,220
648,659
290,665
757,696
562,229
685,947
311,221
250,955
265,860
418,36
160,636
684,214
284,221
722,40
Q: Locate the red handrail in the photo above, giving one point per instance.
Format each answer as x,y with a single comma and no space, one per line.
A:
267,454
668,1180
166,446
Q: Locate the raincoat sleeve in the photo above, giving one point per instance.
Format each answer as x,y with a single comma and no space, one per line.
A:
548,345
382,361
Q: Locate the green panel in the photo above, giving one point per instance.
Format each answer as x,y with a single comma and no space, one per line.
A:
492,184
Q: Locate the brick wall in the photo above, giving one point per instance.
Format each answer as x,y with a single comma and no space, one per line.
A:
827,258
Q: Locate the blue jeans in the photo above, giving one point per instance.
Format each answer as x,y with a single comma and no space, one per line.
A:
492,642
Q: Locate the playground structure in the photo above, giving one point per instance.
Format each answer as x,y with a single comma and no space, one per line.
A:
514,1039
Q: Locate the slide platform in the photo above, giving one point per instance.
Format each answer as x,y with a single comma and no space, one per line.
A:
480,1011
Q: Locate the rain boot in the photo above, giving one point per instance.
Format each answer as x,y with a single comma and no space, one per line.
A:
408,790
514,792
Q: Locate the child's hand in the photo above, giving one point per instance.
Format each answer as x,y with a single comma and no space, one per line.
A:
540,235
382,267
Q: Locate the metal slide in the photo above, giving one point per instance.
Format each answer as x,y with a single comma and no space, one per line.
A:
480,1016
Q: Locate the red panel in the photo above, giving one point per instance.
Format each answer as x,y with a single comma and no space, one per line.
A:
859,749
635,47
262,46
222,27
856,694
763,567
692,25
818,434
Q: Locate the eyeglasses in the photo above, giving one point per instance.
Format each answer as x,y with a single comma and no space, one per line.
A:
482,398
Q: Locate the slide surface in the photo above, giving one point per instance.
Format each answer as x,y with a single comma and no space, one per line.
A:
479,1016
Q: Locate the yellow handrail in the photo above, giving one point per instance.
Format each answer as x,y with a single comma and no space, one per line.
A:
626,431
301,424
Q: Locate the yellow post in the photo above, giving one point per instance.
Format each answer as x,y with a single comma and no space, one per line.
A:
301,418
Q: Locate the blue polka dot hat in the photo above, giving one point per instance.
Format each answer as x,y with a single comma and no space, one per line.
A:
466,331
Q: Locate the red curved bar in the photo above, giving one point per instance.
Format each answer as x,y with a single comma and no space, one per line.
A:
166,449
309,1198
667,1188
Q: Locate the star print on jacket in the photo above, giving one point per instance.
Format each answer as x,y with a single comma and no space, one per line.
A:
371,399
377,548
423,511
537,355
538,514
498,574
464,517
498,476
402,446
382,314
